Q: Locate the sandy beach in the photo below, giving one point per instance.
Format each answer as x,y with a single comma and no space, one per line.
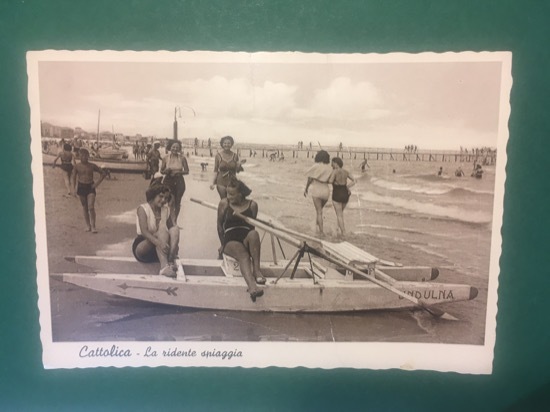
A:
80,315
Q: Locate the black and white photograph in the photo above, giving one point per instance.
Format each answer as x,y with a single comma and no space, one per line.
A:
269,209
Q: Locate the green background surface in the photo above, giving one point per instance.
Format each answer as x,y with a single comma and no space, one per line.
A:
522,364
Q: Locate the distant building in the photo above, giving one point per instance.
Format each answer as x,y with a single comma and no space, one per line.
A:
66,133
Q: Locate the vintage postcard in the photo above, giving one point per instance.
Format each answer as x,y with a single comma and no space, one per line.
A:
269,209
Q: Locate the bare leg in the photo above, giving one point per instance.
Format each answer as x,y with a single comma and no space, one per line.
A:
164,236
238,251
67,180
91,209
84,203
339,209
319,204
252,243
174,239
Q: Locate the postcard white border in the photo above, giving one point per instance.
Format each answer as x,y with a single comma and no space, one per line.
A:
474,359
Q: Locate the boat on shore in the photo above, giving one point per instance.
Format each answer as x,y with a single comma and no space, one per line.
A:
206,284
112,165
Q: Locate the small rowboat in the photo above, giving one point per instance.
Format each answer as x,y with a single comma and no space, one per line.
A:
207,284
120,166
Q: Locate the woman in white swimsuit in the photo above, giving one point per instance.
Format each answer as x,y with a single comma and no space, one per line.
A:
317,185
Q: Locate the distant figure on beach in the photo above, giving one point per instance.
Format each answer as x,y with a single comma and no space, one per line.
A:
364,164
239,239
226,166
67,165
174,167
440,171
340,191
203,166
459,172
83,176
154,159
317,180
478,171
157,237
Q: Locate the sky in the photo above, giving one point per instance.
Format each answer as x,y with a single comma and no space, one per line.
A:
441,105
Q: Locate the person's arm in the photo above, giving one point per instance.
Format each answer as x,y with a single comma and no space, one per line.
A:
309,181
163,165
222,206
102,175
353,181
254,209
55,160
216,166
331,177
184,165
144,228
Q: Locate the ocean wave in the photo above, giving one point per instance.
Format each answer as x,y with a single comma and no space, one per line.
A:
445,189
429,209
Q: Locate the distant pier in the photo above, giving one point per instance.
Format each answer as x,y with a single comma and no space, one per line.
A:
484,157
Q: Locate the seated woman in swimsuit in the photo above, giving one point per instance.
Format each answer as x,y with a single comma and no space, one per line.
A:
67,164
317,185
226,166
239,239
340,191
157,237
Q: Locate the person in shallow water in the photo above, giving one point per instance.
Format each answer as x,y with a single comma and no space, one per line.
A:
340,191
239,239
226,166
317,185
157,237
83,177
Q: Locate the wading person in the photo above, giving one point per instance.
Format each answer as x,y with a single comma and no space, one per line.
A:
83,176
340,191
317,185
157,237
67,165
239,239
174,167
226,166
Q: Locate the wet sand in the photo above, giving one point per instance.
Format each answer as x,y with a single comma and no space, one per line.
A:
83,315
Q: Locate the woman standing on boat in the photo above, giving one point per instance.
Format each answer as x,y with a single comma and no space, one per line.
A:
317,185
174,166
226,166
157,233
239,239
67,165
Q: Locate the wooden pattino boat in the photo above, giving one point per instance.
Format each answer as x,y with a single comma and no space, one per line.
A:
353,281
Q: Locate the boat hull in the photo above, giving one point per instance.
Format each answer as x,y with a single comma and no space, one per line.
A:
288,295
119,166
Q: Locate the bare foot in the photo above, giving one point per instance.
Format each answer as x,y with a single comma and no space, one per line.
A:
94,230
88,229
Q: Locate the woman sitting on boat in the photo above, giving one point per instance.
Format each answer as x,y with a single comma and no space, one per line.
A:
317,185
174,166
226,166
239,239
67,164
157,233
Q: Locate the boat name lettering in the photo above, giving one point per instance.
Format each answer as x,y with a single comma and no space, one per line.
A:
430,294
99,352
222,354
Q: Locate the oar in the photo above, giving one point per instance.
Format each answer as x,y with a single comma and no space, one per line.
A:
319,252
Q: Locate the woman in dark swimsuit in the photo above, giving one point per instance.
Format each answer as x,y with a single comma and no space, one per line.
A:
226,166
239,239
67,164
340,191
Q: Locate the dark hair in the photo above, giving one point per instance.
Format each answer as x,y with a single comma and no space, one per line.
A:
67,147
155,190
322,156
223,139
84,151
242,188
338,161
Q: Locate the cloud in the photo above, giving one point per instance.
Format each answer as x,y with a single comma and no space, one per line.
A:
344,99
